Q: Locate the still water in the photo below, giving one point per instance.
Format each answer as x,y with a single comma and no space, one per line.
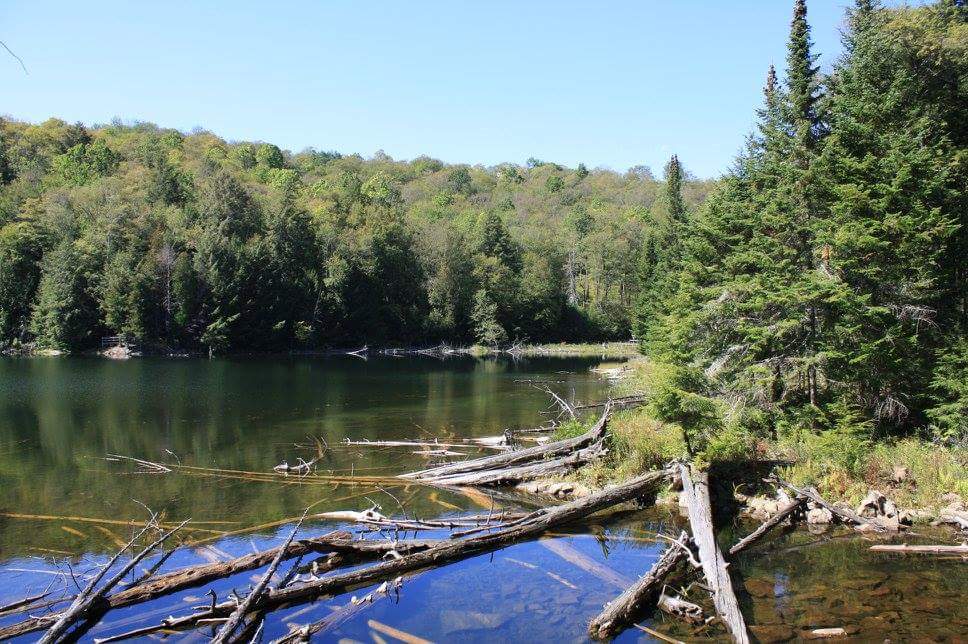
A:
64,504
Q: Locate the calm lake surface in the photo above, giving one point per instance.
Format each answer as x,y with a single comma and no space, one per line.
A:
63,503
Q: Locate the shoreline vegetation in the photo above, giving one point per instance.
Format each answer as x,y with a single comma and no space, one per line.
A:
604,350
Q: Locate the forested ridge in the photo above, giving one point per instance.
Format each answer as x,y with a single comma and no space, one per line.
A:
822,286
192,242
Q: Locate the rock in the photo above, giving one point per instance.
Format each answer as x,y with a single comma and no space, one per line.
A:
761,507
899,474
453,621
819,516
760,587
824,633
772,632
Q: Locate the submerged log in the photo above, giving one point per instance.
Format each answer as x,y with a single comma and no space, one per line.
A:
767,525
925,550
695,488
442,553
350,552
681,609
517,458
624,610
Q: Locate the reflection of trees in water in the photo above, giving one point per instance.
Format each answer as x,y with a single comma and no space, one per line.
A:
60,417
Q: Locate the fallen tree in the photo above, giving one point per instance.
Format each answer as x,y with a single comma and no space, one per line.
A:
695,488
629,605
531,526
453,473
768,525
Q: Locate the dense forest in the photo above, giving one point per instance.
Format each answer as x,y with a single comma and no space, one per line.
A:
822,286
192,242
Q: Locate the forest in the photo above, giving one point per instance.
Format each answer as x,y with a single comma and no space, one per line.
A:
820,283
191,242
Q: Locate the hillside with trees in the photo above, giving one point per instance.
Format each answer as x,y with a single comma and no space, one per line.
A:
192,242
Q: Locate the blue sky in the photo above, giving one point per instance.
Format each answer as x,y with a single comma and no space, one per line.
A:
611,83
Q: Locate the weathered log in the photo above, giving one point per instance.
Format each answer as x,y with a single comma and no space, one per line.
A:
340,542
767,525
904,549
520,457
232,623
90,597
442,553
695,488
513,475
681,609
845,514
623,611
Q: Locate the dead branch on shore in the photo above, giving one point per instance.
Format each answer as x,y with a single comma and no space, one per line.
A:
628,606
844,513
905,549
695,488
768,525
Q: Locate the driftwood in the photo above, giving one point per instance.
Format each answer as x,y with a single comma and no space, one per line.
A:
844,513
925,550
681,609
767,525
623,610
87,600
492,466
695,488
340,543
232,623
442,553
528,472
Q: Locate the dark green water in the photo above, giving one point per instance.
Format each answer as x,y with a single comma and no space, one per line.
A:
60,417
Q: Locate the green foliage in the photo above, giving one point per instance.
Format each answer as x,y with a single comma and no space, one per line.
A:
269,155
487,330
812,290
949,413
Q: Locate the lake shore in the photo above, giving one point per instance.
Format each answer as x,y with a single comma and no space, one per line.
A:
919,481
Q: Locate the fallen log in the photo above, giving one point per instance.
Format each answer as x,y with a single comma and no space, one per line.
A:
904,549
341,543
513,475
627,607
232,623
681,609
88,600
768,525
442,553
845,514
530,455
695,488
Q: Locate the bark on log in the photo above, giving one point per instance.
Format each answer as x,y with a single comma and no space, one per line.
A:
767,525
681,609
520,457
441,553
628,606
925,550
340,542
843,513
695,486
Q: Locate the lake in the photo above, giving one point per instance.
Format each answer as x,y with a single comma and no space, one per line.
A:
222,426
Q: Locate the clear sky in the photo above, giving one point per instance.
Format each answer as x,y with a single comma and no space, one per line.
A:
611,83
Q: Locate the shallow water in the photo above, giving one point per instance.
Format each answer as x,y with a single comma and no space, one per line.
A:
59,418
